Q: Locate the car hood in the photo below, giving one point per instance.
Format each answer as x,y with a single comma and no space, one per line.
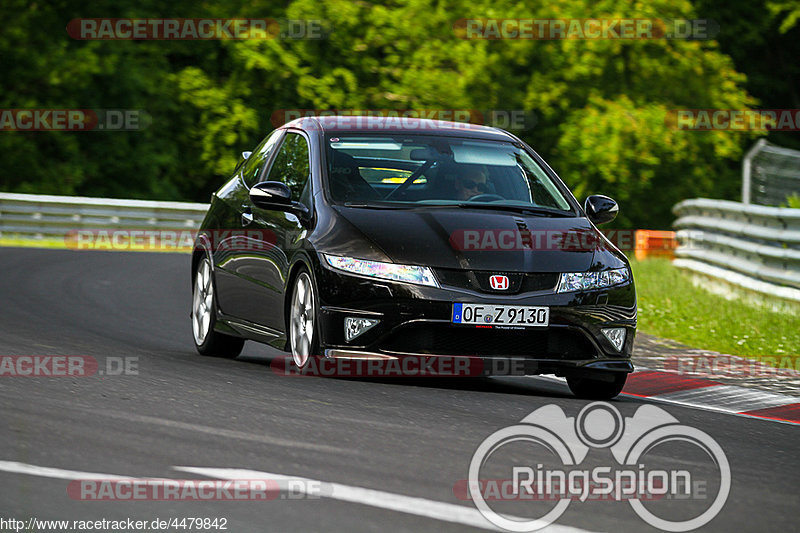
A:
476,239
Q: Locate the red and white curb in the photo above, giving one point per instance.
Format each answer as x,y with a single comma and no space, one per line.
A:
672,388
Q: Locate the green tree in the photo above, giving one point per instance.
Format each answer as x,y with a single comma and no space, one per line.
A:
602,106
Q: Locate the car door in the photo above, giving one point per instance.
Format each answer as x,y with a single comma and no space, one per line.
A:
236,239
268,265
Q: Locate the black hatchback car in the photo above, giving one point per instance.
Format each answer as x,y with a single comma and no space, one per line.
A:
371,238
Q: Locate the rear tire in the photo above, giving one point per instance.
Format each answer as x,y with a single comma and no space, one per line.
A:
204,318
596,389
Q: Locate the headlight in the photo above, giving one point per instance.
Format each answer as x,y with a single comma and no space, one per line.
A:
375,269
583,281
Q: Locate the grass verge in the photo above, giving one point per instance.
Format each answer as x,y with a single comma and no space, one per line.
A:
104,246
32,243
671,306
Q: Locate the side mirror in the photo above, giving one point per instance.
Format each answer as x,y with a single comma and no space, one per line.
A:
600,209
276,195
271,195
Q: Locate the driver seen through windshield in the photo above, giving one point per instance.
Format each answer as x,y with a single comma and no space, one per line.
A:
422,170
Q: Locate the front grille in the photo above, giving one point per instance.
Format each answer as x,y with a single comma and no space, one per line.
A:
447,339
479,280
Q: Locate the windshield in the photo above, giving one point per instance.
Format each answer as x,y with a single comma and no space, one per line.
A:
415,170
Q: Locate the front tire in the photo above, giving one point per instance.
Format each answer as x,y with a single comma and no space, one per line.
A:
204,317
303,331
597,389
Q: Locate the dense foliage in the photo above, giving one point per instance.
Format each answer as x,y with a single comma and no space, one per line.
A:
600,105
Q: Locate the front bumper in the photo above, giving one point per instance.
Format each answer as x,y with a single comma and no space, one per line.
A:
415,320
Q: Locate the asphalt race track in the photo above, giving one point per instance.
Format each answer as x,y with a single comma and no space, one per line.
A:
412,440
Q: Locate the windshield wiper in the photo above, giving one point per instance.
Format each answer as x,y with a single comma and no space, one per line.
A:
535,210
370,206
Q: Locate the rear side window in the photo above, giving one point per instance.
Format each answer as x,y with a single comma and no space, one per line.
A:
291,165
254,166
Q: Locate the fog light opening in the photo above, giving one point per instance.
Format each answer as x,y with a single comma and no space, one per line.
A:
616,337
354,326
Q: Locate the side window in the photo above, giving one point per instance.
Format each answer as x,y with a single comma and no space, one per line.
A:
255,163
291,165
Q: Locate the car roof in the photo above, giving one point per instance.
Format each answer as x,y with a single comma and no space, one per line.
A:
421,126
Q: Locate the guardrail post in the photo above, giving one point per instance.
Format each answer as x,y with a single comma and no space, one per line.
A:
747,169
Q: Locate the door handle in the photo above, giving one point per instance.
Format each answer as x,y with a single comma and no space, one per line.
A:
247,217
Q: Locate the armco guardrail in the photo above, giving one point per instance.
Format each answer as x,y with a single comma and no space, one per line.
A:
755,247
40,216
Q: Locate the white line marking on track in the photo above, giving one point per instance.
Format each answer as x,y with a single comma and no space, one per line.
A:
56,473
447,512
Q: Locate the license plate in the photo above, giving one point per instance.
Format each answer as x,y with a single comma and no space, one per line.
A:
501,315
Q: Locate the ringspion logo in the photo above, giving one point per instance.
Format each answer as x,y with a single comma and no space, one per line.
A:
555,448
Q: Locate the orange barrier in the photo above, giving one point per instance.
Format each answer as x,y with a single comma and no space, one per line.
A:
652,243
